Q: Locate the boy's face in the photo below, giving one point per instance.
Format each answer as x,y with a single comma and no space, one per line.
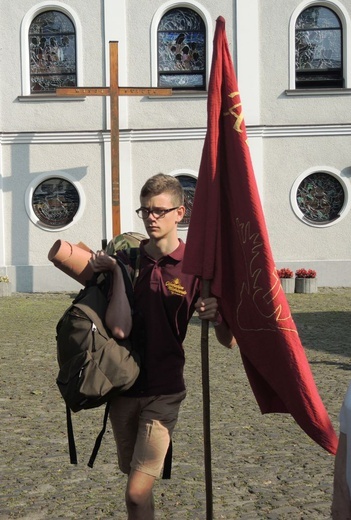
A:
162,226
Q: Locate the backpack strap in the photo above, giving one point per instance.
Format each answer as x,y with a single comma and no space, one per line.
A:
71,441
99,437
70,434
134,257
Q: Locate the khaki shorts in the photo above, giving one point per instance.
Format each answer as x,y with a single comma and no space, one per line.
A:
142,427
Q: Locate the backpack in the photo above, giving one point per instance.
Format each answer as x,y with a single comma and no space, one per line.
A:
127,241
94,366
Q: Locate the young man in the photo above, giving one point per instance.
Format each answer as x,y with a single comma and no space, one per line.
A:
144,418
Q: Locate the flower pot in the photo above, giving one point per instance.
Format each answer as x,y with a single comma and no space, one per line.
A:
288,285
5,289
306,285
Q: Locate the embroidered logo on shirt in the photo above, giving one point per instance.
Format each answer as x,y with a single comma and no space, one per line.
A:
175,287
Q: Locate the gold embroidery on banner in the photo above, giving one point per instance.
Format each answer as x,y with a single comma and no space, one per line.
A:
254,300
175,287
238,115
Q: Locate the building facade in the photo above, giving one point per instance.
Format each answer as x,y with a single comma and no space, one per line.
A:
293,63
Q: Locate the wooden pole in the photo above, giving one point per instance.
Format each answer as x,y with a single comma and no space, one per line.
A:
116,223
206,289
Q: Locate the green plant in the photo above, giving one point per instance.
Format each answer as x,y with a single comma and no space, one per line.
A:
305,273
4,279
285,272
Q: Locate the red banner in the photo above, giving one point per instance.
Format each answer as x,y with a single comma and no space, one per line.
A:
228,244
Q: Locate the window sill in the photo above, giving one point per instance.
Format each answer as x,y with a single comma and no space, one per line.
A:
319,92
189,93
53,97
48,97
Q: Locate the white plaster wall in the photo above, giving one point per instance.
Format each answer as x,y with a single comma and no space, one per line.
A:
291,239
46,115
276,107
179,111
247,57
165,157
260,50
26,243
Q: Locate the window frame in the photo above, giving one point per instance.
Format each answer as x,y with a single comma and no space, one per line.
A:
329,170
334,78
345,21
25,54
29,197
178,73
183,172
207,20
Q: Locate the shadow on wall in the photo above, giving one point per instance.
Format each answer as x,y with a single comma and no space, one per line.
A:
15,183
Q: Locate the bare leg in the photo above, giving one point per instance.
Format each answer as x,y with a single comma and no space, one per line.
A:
341,506
139,497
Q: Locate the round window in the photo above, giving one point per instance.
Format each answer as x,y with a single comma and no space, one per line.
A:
320,197
189,185
55,202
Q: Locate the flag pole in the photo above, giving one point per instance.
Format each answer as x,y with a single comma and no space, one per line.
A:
205,293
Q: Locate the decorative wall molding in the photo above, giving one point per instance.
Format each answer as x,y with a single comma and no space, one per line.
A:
169,134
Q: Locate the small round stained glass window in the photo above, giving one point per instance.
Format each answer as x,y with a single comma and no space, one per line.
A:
55,202
320,197
189,185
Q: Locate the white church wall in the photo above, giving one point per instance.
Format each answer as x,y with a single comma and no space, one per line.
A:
26,244
166,157
294,243
28,113
287,134
183,110
277,34
247,56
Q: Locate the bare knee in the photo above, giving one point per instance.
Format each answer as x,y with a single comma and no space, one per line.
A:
139,498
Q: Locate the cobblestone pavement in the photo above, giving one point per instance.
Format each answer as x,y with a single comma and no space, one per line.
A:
263,467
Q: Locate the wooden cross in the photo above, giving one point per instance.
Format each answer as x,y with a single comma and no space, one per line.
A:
114,91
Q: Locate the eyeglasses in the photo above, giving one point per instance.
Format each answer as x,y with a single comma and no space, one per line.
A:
144,213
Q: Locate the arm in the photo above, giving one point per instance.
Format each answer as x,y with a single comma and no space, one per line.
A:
341,506
118,317
207,309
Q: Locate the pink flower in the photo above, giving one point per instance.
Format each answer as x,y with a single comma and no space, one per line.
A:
285,272
304,273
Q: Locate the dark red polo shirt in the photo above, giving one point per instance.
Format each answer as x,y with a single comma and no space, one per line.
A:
164,303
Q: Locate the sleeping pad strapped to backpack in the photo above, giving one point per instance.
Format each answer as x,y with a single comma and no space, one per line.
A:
94,366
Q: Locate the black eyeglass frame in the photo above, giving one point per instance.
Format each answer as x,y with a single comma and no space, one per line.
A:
163,212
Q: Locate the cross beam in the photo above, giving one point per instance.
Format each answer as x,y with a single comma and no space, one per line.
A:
114,91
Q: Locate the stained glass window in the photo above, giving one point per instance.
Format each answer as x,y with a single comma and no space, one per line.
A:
55,202
189,185
182,50
320,197
318,49
52,48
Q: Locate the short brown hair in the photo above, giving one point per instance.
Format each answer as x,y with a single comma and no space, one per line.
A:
161,183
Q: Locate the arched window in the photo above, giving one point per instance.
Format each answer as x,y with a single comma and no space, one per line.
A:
189,184
52,52
318,49
181,44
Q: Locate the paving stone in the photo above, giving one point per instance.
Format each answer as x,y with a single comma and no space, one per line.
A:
263,467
